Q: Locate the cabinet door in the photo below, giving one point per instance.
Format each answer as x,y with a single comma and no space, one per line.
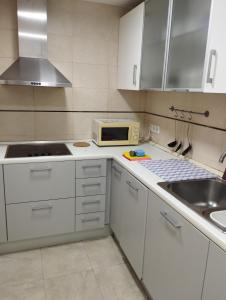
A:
133,216
130,45
39,181
154,44
215,79
116,200
3,235
188,41
175,254
214,286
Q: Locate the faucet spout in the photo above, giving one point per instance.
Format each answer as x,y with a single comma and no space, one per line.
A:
222,157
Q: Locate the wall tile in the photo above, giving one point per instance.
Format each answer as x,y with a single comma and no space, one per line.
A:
90,76
8,14
9,43
207,145
16,97
90,99
125,100
53,99
85,52
59,20
60,47
16,126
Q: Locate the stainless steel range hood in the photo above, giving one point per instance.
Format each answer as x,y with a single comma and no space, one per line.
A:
32,67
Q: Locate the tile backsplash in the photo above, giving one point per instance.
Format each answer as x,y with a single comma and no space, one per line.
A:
83,45
208,142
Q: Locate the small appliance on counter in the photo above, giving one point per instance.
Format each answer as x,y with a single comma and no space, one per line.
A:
115,132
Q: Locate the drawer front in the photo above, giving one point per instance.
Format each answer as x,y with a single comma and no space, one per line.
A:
91,168
39,181
90,204
90,221
39,219
91,186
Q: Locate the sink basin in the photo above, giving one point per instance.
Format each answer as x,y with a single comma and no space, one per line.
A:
204,196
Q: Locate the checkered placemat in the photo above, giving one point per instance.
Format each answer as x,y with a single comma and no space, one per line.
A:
176,169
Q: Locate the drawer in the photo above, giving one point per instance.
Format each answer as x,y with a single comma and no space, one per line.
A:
90,204
90,221
91,168
39,219
91,186
39,181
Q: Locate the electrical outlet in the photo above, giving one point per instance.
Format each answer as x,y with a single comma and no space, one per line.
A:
155,129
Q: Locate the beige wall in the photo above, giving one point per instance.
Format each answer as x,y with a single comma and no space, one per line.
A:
207,143
83,44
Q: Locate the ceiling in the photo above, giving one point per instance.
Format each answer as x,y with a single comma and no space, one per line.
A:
117,2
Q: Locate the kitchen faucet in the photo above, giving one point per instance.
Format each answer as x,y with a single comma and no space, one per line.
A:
221,160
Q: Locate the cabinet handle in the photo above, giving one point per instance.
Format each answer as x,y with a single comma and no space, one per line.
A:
91,184
170,219
131,186
135,75
116,170
90,220
41,170
211,78
91,202
94,166
42,207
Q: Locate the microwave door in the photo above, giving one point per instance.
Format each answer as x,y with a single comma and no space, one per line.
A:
115,134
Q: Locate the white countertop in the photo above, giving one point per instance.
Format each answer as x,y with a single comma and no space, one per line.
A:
144,175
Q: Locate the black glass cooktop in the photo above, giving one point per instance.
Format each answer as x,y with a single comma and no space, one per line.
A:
35,150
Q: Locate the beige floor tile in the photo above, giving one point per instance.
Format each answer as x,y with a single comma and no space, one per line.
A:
117,283
26,291
20,267
103,253
66,259
76,286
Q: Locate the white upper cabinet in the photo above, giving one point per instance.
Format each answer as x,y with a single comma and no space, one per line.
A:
154,44
130,47
187,44
180,46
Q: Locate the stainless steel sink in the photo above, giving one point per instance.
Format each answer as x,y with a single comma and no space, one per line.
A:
204,196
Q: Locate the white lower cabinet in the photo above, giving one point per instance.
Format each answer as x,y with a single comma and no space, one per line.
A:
129,205
42,218
116,220
3,234
175,254
214,286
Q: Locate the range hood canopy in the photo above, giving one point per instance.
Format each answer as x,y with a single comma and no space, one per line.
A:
32,67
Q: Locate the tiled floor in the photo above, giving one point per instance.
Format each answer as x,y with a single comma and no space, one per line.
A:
92,270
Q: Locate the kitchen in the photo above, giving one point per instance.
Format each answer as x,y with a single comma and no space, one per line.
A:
87,223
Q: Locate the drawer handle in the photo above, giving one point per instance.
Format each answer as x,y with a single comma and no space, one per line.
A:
91,184
94,166
91,202
131,186
90,220
116,170
170,220
41,170
42,207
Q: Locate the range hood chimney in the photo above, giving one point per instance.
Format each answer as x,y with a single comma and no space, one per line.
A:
32,67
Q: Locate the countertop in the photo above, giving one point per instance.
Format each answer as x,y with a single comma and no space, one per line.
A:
149,179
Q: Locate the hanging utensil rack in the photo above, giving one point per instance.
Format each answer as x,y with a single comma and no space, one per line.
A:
205,113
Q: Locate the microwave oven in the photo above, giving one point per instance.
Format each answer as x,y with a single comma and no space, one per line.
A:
115,132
